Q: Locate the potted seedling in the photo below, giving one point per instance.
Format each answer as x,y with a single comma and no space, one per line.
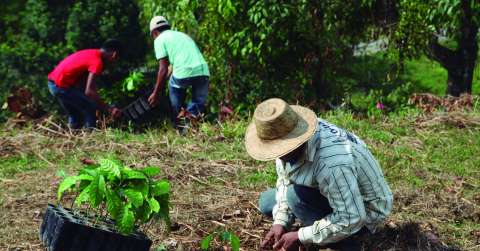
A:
110,205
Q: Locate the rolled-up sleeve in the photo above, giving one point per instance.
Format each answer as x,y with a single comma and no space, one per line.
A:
348,214
282,214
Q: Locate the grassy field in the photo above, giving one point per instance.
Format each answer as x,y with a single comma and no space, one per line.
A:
431,163
429,76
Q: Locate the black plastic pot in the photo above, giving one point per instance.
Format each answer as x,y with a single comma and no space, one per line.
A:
62,230
137,109
140,111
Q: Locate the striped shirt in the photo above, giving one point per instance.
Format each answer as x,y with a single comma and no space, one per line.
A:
340,165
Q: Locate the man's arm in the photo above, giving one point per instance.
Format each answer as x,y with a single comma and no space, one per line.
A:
348,214
91,92
282,214
161,78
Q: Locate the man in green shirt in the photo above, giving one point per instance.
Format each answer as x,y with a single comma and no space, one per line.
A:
189,68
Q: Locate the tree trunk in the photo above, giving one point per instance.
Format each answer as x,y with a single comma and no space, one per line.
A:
459,81
459,63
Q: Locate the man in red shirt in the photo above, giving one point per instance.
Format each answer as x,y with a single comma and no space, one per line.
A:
72,83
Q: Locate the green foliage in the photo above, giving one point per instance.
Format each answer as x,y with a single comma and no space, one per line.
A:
259,49
226,237
40,33
130,196
377,100
296,50
445,31
419,21
233,130
124,92
133,82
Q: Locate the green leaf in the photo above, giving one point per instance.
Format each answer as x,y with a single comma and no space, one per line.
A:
115,173
141,187
130,85
235,243
101,186
85,177
127,220
143,213
84,195
83,184
134,197
97,191
226,236
109,164
151,171
232,239
162,247
154,205
66,184
164,212
61,173
114,204
161,187
133,174
112,167
205,243
89,171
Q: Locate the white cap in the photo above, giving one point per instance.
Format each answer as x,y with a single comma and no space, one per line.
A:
157,22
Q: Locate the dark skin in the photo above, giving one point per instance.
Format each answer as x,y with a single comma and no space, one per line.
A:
91,88
294,155
162,75
278,238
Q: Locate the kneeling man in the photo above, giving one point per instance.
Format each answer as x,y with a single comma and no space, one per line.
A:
327,178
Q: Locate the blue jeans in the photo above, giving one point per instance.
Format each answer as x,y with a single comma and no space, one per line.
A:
306,203
178,89
76,104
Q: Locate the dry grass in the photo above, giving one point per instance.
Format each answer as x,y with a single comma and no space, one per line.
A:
208,189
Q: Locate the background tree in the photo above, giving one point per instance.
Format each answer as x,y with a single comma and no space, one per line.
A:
40,33
297,50
421,28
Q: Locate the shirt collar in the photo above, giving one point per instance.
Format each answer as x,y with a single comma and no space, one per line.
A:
308,155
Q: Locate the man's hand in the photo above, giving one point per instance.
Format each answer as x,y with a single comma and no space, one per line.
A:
273,236
153,99
115,112
288,242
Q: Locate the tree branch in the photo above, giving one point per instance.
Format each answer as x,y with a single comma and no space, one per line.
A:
441,54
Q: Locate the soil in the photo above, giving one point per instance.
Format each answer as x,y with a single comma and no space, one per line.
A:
207,197
198,209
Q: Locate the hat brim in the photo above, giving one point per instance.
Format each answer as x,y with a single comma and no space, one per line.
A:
264,150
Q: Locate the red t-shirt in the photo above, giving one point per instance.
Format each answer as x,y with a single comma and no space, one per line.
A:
76,67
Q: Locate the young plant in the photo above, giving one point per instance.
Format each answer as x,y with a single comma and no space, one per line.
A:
129,196
226,237
133,82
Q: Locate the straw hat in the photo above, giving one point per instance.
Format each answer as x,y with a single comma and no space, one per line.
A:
278,129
